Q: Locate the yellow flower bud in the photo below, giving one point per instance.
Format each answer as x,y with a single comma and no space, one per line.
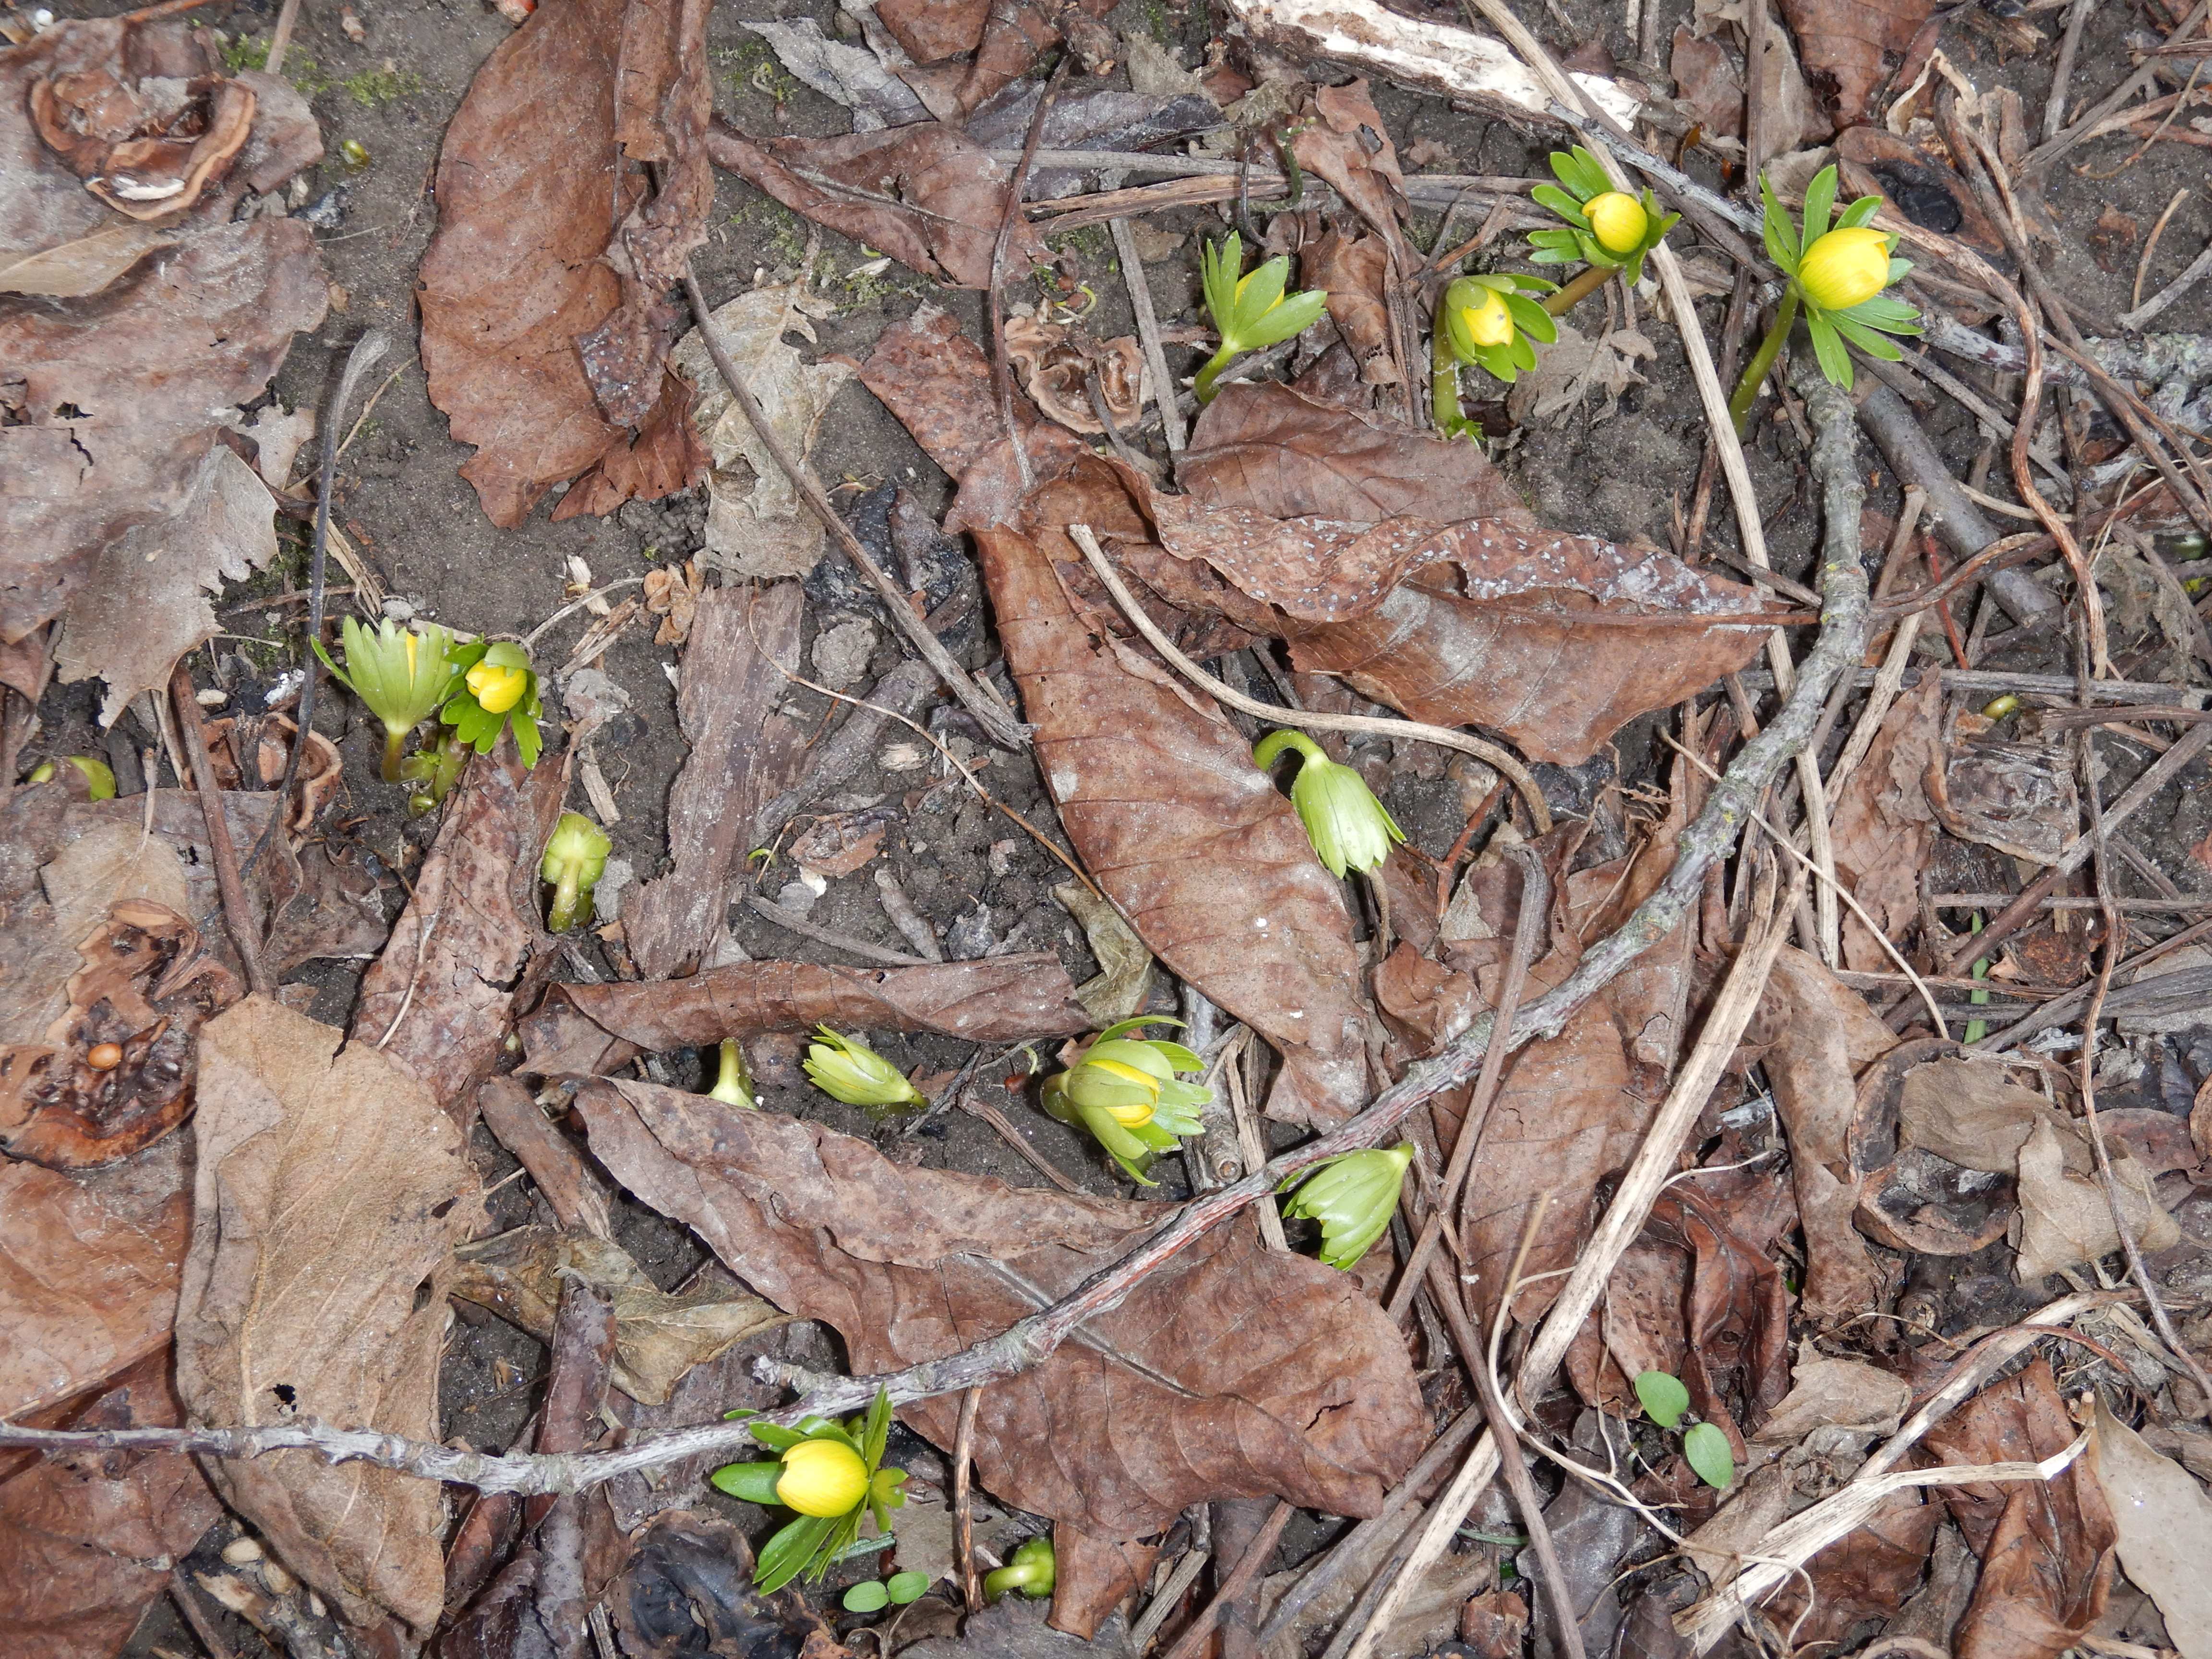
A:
1845,267
496,689
822,1478
1618,220
1488,323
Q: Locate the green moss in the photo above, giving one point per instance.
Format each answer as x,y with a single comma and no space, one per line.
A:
374,88
252,52
753,67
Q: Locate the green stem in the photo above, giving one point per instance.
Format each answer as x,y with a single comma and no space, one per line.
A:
395,745
1592,279
1755,371
562,916
1443,379
1271,746
1203,386
730,1076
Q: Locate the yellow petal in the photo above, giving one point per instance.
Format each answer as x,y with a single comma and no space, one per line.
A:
1845,267
822,1478
1618,220
497,689
1488,323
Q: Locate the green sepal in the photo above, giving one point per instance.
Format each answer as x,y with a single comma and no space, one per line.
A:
1866,339
1293,316
1580,172
875,1432
753,1483
1820,198
775,1436
1828,349
1533,320
1567,207
1860,212
1779,235
787,1554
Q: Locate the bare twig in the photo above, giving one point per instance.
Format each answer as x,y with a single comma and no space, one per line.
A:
2198,268
2054,112
792,921
281,39
1148,333
578,1196
237,913
963,1500
1242,1578
1313,720
990,714
1002,377
1164,1604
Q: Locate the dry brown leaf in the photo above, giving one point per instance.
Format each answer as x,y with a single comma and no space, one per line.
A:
938,382
1845,42
144,990
91,1282
1056,362
1354,272
145,604
2016,797
1821,1037
2163,1521
741,755
924,194
690,1582
330,1193
583,1031
1710,78
842,842
83,266
107,428
522,270
658,1335
1234,1371
1190,840
87,1538
1346,142
2047,1545
469,952
1006,38
109,863
1093,1576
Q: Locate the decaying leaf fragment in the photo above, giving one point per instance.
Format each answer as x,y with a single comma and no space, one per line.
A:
658,1335
584,1030
329,1193
115,1072
1235,1370
1056,362
1845,46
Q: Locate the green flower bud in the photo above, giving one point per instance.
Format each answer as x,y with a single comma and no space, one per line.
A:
99,781
402,674
732,1086
1125,1092
1348,826
1353,1197
1030,1570
847,1069
575,859
831,1474
1251,311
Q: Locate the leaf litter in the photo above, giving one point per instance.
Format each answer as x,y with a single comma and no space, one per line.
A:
1316,545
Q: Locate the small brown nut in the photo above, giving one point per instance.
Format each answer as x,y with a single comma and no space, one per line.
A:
104,1057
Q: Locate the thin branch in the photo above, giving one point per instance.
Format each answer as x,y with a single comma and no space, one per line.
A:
237,913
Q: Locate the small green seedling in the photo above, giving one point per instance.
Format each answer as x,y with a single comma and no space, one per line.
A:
1665,1402
874,1594
1031,1569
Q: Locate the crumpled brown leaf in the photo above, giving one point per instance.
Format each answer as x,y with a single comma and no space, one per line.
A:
2164,1525
658,1334
2047,1545
1191,840
145,989
469,952
1501,632
741,755
91,1287
1006,38
330,1193
1822,1037
550,251
1845,47
107,439
1055,361
691,1582
1234,1371
87,1538
584,1030
937,198
1965,1111
1346,144
2016,797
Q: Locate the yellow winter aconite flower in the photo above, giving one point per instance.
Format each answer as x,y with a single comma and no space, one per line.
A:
1124,1092
1845,266
1618,220
497,689
821,1477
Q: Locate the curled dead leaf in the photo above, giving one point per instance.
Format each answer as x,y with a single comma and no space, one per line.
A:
1056,362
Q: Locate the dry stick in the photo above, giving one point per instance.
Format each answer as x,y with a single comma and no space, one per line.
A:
1528,928
2039,158
1148,333
281,38
1029,1340
237,915
583,1349
998,724
1312,720
963,1500
1043,1165
2150,246
2173,290
1240,1579
1839,1512
792,921
2045,1015
2071,856
2054,112
1171,1593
